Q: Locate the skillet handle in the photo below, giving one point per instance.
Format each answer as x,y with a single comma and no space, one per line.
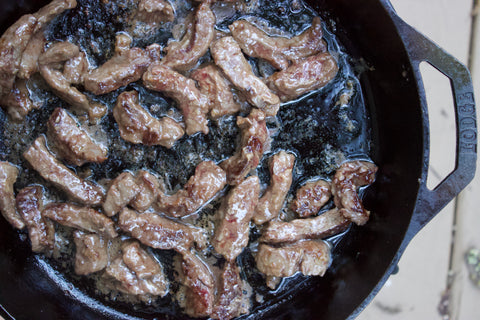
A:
430,202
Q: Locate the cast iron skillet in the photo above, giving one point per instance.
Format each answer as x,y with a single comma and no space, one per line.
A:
399,199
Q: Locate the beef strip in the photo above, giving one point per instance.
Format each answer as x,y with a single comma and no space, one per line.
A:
183,55
41,231
348,178
75,69
229,57
91,253
154,11
12,44
230,301
207,181
213,85
269,205
59,175
254,139
72,143
161,233
29,61
18,103
137,125
52,68
122,190
311,197
8,176
233,218
149,188
82,218
126,66
327,224
200,286
279,51
311,258
137,272
193,104
52,10
304,76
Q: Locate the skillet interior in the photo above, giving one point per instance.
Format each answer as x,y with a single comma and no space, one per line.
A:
364,254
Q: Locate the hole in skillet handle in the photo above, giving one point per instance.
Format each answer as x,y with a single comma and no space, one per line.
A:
431,200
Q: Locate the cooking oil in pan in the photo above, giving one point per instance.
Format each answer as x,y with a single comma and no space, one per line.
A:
323,129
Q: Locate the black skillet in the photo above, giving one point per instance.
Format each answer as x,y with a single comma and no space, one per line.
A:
400,201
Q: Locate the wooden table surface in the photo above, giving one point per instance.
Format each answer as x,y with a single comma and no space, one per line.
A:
433,281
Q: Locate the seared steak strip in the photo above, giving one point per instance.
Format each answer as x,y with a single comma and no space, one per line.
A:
311,197
325,225
254,138
149,188
91,253
137,272
52,170
184,54
233,218
213,85
18,101
207,181
304,76
137,125
41,230
159,232
154,11
279,51
122,190
269,205
8,176
348,178
127,65
311,258
82,218
72,143
193,104
229,57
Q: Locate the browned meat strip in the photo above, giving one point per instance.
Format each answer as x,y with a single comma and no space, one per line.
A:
52,170
217,89
126,66
123,190
230,302
307,75
52,68
76,68
234,215
82,218
311,198
41,231
279,51
229,57
159,232
348,178
72,143
29,62
326,224
8,176
91,253
254,138
12,44
312,258
184,54
269,205
200,286
137,125
137,272
149,188
191,102
18,103
53,9
207,181
155,11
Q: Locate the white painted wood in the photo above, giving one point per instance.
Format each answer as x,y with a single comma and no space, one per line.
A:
415,292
